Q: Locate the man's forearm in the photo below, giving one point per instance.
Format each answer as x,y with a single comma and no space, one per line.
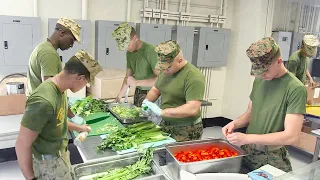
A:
242,121
70,113
152,96
24,156
124,88
308,75
278,138
181,112
74,127
146,82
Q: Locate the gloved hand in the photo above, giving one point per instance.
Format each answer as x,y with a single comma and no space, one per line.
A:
151,107
77,120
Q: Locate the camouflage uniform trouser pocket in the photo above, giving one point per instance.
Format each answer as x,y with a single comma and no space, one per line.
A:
278,158
183,133
140,96
54,169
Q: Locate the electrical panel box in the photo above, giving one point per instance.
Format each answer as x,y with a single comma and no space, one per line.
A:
85,37
296,42
211,47
283,39
106,48
184,35
154,33
18,37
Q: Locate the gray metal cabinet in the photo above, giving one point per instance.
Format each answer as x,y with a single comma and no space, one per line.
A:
154,33
184,35
296,42
211,47
18,37
85,36
283,39
106,48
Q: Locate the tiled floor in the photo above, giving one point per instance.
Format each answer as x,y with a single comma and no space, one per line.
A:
11,171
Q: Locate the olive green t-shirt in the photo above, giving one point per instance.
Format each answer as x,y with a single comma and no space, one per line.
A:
297,64
142,63
44,61
188,84
273,100
46,113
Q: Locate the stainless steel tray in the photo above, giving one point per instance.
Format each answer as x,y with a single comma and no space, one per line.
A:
84,170
141,118
223,165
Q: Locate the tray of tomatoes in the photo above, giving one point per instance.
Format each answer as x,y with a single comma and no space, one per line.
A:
204,154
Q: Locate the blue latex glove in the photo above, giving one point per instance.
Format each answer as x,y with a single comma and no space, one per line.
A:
151,107
77,120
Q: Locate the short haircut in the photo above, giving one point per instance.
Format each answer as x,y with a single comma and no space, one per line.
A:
277,55
74,66
133,32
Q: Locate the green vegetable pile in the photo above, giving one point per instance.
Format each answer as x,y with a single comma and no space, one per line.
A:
133,136
141,167
88,106
126,112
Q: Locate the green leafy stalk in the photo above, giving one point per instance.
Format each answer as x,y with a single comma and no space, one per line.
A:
141,167
133,136
88,106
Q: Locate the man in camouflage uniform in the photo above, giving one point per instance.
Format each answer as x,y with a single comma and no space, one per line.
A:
141,62
298,61
45,62
275,112
42,142
181,86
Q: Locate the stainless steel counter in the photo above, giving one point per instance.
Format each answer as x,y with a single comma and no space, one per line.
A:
309,172
88,149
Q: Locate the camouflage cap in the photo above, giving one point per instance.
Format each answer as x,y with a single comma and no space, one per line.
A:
311,43
167,51
122,35
72,26
92,65
261,54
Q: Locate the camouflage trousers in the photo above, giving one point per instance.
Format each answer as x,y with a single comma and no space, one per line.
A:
58,168
183,133
278,158
180,133
139,96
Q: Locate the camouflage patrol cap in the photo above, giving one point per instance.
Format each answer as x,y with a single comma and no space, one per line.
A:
261,54
311,43
92,65
167,51
72,26
122,35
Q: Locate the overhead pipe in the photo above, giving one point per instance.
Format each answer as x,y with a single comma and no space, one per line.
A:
84,9
224,13
188,5
167,9
180,6
128,10
35,8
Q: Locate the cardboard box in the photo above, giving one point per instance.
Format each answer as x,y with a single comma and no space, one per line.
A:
306,142
108,84
313,95
12,104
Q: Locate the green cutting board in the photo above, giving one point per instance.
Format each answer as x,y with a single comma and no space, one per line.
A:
104,125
